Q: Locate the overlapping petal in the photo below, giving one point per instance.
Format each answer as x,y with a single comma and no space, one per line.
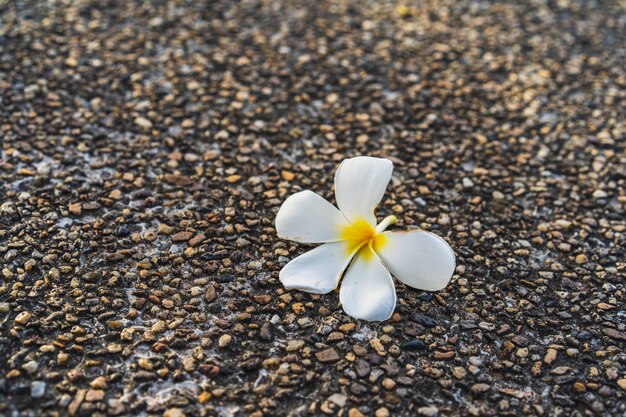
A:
360,184
418,258
306,217
319,270
367,291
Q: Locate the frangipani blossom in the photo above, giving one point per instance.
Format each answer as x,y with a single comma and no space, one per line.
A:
353,240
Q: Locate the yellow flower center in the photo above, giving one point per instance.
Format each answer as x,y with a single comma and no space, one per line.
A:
361,235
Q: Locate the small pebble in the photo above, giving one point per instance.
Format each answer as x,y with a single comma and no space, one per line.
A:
37,389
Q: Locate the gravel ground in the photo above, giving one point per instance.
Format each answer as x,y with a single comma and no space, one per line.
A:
146,147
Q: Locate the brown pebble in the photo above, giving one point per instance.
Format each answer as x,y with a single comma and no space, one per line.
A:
382,412
75,209
224,340
550,356
388,383
94,395
181,236
143,123
164,229
327,355
480,387
98,383
74,405
210,294
115,195
294,345
174,412
23,317
196,240
444,355
354,412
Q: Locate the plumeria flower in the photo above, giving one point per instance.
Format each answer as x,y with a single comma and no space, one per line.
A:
352,239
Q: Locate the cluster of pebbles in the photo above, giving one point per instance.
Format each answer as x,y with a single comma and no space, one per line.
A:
145,148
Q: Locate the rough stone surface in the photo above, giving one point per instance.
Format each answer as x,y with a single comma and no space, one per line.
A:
145,148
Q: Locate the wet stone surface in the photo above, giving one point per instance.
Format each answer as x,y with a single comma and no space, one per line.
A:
146,147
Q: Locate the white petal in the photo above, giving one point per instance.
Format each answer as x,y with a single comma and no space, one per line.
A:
359,186
308,218
367,291
317,271
420,259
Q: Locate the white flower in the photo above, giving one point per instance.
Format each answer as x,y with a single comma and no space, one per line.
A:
351,238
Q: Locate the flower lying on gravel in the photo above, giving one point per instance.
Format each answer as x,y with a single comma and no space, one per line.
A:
350,236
